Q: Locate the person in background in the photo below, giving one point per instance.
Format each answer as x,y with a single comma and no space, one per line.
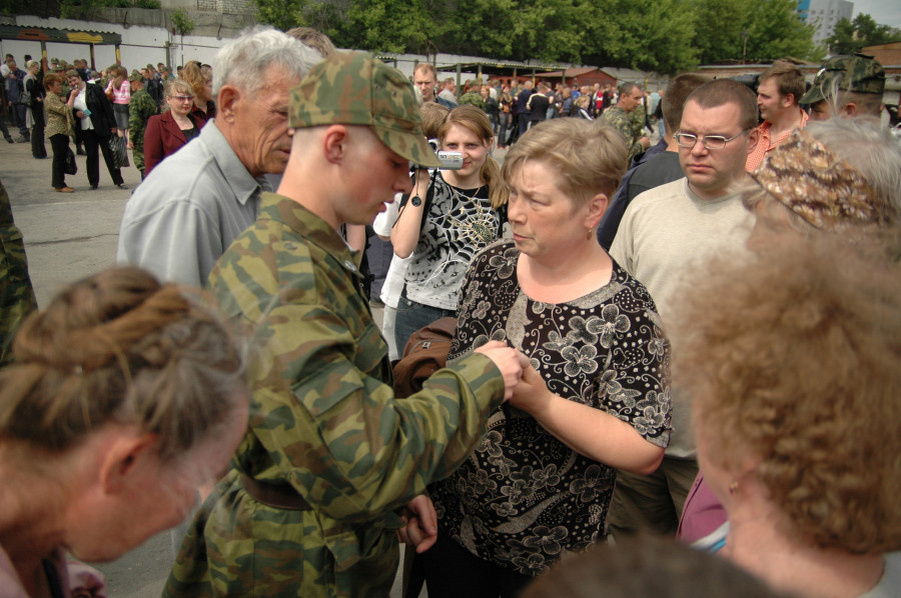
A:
201,83
188,210
120,89
60,127
451,215
168,132
433,116
141,108
847,86
150,408
15,88
34,87
96,122
794,376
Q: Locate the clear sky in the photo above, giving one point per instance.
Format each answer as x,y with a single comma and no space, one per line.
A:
884,12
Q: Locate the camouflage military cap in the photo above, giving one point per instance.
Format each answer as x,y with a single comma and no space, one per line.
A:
135,75
858,73
355,88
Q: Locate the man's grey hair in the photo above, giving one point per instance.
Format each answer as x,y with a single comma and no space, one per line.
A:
243,61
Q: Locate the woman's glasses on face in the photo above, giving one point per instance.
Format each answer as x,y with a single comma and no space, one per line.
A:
182,98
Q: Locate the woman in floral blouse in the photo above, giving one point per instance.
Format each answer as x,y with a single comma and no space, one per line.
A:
596,397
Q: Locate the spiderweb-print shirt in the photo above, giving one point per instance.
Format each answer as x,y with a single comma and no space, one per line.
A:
523,497
459,223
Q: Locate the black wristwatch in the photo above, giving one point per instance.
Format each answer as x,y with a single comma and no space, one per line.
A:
416,201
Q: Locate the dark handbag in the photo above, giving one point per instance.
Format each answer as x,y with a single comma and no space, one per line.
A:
120,153
71,167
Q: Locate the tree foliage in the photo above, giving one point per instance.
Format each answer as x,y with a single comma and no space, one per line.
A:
851,36
662,35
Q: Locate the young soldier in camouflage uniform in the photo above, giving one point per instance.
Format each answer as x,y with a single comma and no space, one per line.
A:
16,295
309,507
620,116
140,109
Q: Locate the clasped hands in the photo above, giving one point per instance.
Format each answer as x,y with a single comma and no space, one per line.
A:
525,389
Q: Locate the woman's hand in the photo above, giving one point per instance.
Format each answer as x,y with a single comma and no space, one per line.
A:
79,114
130,145
531,394
421,529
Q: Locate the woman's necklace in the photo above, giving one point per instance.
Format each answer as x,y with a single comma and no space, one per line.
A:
478,227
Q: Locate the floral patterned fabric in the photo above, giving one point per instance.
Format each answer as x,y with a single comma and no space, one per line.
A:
524,497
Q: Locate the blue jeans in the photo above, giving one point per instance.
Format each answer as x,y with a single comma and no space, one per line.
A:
411,316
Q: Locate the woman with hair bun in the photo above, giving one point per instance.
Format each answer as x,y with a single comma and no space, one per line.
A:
124,398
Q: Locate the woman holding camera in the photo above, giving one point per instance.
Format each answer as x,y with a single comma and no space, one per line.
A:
450,216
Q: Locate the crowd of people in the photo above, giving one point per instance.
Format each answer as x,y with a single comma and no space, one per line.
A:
60,102
695,340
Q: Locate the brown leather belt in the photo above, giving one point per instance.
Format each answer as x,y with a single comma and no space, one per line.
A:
279,496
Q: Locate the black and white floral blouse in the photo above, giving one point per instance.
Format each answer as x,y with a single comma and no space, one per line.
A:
523,497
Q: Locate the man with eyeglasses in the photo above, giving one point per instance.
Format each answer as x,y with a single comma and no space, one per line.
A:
779,89
664,232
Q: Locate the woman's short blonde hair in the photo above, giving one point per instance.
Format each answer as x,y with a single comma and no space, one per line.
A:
792,359
589,157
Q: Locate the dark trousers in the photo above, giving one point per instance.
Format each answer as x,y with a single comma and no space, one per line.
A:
38,150
524,122
452,571
92,142
4,130
58,144
20,110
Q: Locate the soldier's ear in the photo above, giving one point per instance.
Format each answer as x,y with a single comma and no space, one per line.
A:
335,143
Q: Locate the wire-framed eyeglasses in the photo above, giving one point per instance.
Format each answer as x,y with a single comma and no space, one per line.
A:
182,98
688,140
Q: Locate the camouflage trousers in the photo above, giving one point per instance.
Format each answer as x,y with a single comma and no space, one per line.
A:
16,295
237,546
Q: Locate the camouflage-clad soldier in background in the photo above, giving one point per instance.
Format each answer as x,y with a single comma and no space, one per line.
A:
309,506
16,295
140,109
621,116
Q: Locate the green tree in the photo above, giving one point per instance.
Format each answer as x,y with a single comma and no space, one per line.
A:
752,30
481,27
286,14
776,30
852,36
719,28
385,26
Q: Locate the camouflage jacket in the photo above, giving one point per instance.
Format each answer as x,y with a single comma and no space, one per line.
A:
324,419
622,122
140,109
16,295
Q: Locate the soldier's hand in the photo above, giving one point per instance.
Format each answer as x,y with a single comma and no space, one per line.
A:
508,360
645,142
421,529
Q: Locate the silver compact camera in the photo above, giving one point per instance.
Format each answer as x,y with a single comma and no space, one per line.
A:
449,160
